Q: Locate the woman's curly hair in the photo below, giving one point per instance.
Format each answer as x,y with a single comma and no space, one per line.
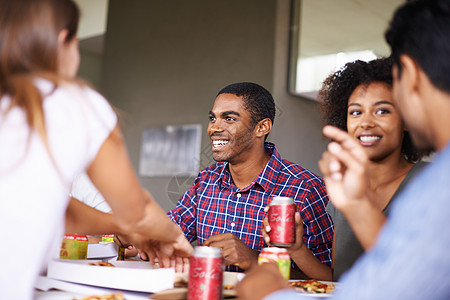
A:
337,88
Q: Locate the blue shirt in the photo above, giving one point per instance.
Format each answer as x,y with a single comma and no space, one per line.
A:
411,259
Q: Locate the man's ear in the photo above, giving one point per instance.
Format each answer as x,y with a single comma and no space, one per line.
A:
415,82
263,127
410,74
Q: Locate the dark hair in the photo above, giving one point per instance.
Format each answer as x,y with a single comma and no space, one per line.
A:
421,30
337,88
257,100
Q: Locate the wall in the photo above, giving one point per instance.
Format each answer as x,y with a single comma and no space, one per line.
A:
164,62
297,130
91,67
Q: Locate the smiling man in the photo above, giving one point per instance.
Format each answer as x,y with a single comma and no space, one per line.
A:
224,207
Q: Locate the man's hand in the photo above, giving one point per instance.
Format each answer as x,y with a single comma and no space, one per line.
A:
234,251
344,168
298,232
345,171
261,281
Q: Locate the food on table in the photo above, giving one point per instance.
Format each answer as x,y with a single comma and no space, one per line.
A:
102,264
115,296
312,286
228,287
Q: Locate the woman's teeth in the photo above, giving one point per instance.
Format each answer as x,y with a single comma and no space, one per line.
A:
369,138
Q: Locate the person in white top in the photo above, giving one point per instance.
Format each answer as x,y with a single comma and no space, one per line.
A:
85,191
53,127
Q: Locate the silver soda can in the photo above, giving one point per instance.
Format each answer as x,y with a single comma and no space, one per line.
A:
282,221
206,268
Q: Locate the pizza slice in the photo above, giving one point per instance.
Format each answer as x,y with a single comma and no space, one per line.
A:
116,296
312,286
101,263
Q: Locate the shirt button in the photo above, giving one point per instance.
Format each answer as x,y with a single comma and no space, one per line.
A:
233,224
238,195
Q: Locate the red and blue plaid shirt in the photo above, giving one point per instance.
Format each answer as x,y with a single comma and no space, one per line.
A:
213,205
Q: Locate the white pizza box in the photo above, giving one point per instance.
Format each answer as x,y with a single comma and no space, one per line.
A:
52,289
102,250
126,275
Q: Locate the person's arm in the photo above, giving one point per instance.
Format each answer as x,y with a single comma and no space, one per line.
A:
300,254
83,219
366,222
87,220
136,213
85,191
344,167
184,215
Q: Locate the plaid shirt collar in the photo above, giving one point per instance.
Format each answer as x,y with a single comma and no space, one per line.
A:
265,178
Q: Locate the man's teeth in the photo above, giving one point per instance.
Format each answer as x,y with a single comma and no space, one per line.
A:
369,138
219,143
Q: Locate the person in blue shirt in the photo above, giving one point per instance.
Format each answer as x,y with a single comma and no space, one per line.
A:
409,259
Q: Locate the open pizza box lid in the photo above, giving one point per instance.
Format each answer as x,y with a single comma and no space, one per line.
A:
126,275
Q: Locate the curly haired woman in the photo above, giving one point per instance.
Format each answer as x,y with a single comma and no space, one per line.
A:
358,99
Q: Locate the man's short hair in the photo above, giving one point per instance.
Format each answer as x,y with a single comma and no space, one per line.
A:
257,100
421,30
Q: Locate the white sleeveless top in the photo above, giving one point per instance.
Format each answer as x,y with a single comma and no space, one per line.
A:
34,186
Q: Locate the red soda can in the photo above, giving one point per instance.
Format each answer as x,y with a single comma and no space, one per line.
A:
206,268
282,221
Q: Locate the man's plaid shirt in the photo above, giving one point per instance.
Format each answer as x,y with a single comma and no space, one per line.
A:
213,205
